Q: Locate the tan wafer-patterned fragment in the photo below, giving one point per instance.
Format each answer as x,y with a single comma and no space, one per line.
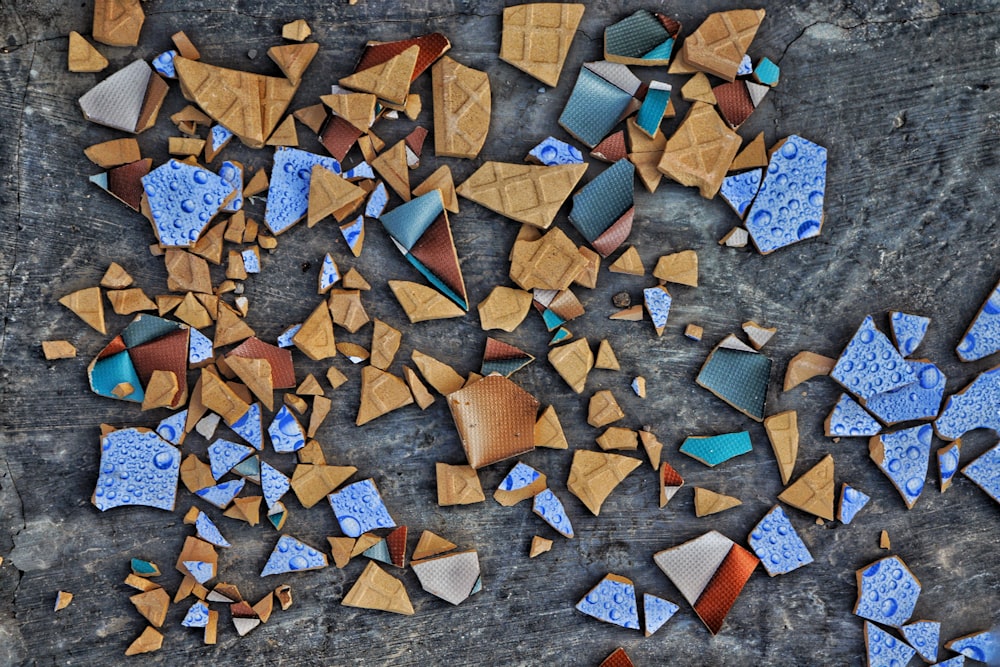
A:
531,194
536,37
462,107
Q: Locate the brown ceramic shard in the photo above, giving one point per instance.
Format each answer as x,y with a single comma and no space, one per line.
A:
495,419
526,193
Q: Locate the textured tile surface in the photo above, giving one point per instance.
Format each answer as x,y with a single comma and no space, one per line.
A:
223,455
288,192
917,400
451,577
286,433
183,199
551,152
199,347
273,483
197,616
870,364
980,646
973,407
359,508
657,301
692,565
117,100
883,649
739,378
250,427
612,601
171,429
209,532
593,108
887,592
138,467
656,611
290,555
985,472
851,502
777,545
923,636
550,508
602,201
908,331
221,495
739,190
850,420
983,337
904,456
716,449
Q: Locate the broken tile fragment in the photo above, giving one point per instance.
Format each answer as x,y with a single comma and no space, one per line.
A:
58,349
503,358
971,408
657,301
848,419
777,545
594,475
653,107
462,107
611,149
738,377
628,262
719,44
918,400
619,658
612,600
548,506
573,362
618,438
285,431
709,502
804,366
602,203
923,636
431,544
289,188
948,459
887,592
539,545
458,485
291,555
783,432
379,590
495,420
296,31
551,262
359,508
83,57
594,107
700,150
505,308
680,267
603,409
884,650
451,577
293,59
551,152
758,335
183,199
813,491
713,450
150,640
137,468
223,455
525,193
88,306
521,483
852,501
641,39
981,646
63,599
908,331
983,335
985,472
904,456
656,612
536,38
221,495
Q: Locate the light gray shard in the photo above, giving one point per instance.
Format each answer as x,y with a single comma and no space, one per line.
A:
117,101
450,577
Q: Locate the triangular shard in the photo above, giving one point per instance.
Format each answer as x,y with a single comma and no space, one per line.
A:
285,134
381,393
699,89
431,544
291,555
718,45
462,107
752,156
358,109
904,457
432,46
611,149
442,181
863,378
377,589
389,81
548,506
700,151
848,419
117,101
118,22
391,165
606,358
881,648
549,432
709,502
783,432
450,577
777,545
656,611
83,57
435,256
813,491
293,59
612,600
422,303
601,202
88,305
331,194
908,331
525,193
536,38
628,262
983,646
594,475
924,637
983,336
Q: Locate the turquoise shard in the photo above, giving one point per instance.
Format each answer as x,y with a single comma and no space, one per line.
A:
250,427
908,331
329,274
948,458
551,319
144,568
657,301
359,508
183,199
354,234
850,420
602,201
739,190
286,432
923,636
223,455
767,72
273,483
593,108
249,468
636,36
653,107
288,191
739,378
478,586
138,467
433,277
612,601
979,646
985,472
918,400
107,373
887,592
290,555
973,407
777,545
200,570
209,532
883,649
408,222
200,348
378,551
377,201
233,175
716,449
904,456
197,616
983,337
519,477
561,335
870,364
661,52
656,611
221,495
551,152
551,510
146,328
851,502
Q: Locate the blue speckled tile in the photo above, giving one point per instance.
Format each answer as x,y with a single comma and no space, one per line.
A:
948,458
551,152
656,611
287,434
850,420
924,637
221,495
739,378
251,260
249,468
208,531
164,64
551,510
183,199
612,601
957,661
980,646
223,455
233,174
789,206
561,334
593,108
200,570
250,427
716,449
219,137
138,467
657,301
983,336
908,331
919,400
852,501
359,171
746,66
290,555
904,457
653,107
777,545
519,477
109,372
408,222
767,72
145,328
602,201
887,592
200,348
273,482
359,508
354,234
985,472
884,650
329,274
870,364
197,616
276,515
377,201
739,190
973,407
378,551
288,191
285,339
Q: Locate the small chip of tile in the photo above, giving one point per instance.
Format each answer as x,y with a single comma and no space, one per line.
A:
813,491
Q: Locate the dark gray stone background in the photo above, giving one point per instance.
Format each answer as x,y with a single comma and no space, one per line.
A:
905,97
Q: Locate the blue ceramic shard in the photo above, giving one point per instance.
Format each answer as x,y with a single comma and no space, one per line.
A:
593,108
183,199
957,661
904,456
138,467
980,646
653,107
849,420
887,592
551,152
144,568
145,328
983,337
223,455
250,427
851,502
164,64
612,601
219,137
739,378
923,636
221,495
408,222
777,545
716,449
251,261
288,191
789,205
200,348
739,190
359,171
908,331
602,201
354,234
109,372
233,175
985,472
273,482
562,334
883,649
973,407
550,508
919,400
746,66
286,432
197,616
328,274
551,319
359,508
657,300
209,532
519,477
290,555
200,570
377,201
767,72
948,458
249,468
656,611
870,364
285,339
378,551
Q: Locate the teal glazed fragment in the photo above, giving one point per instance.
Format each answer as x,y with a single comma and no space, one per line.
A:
612,601
378,551
639,36
850,420
107,373
923,636
883,649
777,545
146,328
852,501
144,568
223,455
286,433
359,508
276,515
767,72
983,337
908,331
603,201
562,334
980,646
985,472
551,152
904,456
653,107
288,190
716,449
657,612
249,468
593,108
221,495
551,510
408,222
739,378
291,555
739,190
183,199
250,427
887,592
918,400
973,407
273,482
138,467
870,364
